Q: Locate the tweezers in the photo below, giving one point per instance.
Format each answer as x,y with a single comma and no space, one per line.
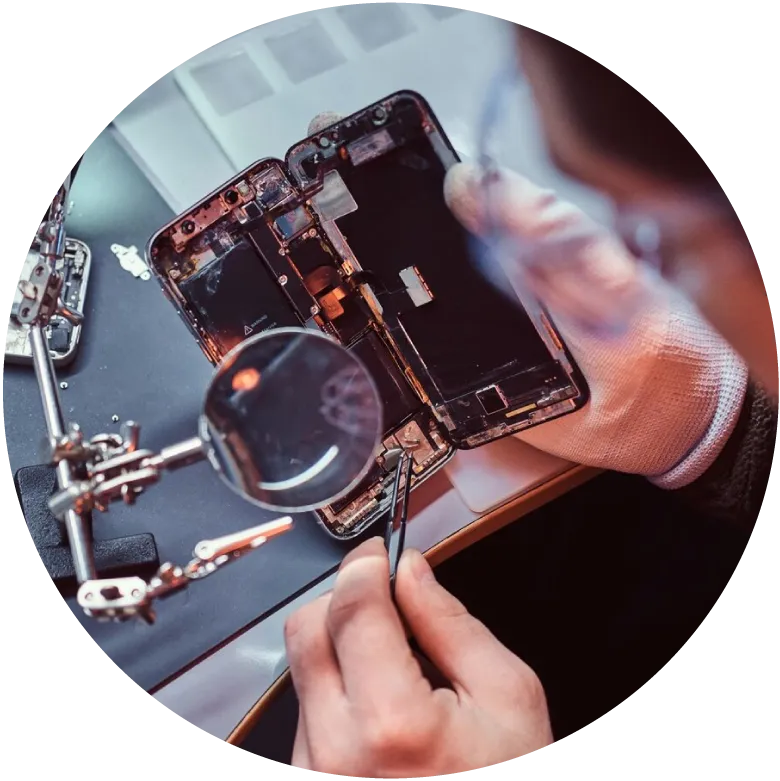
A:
395,548
395,544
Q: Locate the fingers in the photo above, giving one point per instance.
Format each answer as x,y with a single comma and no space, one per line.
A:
461,647
376,662
520,205
323,120
532,213
313,664
584,277
301,756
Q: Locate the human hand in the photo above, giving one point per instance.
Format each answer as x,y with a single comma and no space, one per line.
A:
666,393
365,707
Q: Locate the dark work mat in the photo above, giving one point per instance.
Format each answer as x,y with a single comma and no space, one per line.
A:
138,361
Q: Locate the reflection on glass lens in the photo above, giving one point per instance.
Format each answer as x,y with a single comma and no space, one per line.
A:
292,420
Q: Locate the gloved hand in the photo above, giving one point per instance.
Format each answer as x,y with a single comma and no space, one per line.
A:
666,393
365,708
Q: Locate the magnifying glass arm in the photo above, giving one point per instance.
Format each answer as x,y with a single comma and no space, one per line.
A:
121,599
115,468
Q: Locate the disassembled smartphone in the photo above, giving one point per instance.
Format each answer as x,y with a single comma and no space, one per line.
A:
351,235
63,337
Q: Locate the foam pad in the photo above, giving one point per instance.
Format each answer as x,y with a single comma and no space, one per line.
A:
119,557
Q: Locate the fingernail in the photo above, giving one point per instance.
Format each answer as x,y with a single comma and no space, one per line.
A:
374,543
323,120
326,596
459,183
375,546
418,564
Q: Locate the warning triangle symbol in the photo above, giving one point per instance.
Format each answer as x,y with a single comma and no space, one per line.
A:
247,330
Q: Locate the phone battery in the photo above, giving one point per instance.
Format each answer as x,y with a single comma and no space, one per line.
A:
398,400
236,297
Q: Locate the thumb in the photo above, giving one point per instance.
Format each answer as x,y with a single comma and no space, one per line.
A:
459,645
322,121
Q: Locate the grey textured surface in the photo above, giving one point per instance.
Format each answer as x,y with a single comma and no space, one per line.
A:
138,361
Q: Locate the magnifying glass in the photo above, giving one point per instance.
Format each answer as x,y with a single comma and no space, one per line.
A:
292,421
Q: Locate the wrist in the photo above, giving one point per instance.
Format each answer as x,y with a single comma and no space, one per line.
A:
732,389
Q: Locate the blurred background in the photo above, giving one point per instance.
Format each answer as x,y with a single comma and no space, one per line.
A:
253,95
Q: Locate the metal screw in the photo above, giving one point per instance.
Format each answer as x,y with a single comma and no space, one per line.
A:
115,418
63,386
283,279
312,233
315,310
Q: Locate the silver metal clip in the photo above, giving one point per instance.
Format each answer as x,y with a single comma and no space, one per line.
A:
119,599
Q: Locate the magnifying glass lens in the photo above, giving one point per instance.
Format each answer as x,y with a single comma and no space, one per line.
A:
292,420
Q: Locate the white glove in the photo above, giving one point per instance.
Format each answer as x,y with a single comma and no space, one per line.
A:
666,394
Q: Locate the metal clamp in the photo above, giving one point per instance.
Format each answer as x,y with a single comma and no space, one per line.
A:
121,599
108,467
116,470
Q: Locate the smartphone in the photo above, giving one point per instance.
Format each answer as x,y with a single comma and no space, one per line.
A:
62,336
350,235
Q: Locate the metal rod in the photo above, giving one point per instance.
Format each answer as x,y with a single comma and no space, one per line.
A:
181,454
77,526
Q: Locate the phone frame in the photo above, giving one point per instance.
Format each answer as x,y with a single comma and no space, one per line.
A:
170,244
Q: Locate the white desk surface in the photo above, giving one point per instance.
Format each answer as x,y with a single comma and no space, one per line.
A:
217,693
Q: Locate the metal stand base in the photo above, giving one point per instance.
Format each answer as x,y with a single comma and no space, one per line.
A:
120,557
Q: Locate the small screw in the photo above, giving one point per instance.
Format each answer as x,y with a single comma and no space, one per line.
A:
315,309
63,386
283,280
324,142
312,233
115,418
188,226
